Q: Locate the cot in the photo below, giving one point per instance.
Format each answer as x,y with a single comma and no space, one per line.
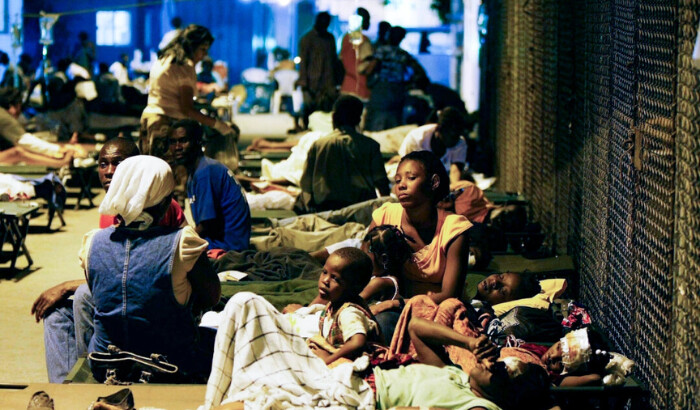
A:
14,225
47,185
81,177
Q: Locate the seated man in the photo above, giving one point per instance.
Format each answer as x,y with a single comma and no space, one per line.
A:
170,280
344,167
444,139
68,323
217,201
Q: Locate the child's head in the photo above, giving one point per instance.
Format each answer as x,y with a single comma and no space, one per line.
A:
504,287
556,362
388,249
346,272
512,384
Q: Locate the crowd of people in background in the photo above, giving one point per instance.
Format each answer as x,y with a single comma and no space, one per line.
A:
151,272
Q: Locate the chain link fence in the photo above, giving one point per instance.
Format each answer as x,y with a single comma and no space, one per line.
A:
593,108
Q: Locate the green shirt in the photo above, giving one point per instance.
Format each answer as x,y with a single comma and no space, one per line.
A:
424,385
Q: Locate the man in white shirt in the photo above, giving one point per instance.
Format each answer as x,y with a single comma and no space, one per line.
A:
444,139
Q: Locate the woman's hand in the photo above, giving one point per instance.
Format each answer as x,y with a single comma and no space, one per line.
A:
383,306
222,128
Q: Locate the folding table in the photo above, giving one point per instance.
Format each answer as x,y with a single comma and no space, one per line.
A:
14,225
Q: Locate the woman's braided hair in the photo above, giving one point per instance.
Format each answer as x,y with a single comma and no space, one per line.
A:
390,247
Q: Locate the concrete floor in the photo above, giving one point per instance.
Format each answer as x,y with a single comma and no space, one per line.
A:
55,257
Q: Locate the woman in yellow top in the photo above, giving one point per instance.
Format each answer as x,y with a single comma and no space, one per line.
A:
438,267
173,82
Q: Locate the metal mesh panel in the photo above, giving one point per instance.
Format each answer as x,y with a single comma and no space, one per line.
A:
541,102
503,51
589,131
653,202
685,344
623,86
592,252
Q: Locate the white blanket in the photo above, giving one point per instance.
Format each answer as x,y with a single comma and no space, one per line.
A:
259,359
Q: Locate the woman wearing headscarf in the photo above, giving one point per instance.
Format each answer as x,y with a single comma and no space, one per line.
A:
148,282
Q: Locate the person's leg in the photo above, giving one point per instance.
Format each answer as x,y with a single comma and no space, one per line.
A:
59,342
387,323
84,322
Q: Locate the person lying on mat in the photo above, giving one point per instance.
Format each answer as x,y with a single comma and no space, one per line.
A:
468,318
67,307
289,374
170,280
20,147
579,358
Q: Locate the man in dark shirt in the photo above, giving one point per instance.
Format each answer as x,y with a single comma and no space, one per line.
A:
344,167
391,72
219,207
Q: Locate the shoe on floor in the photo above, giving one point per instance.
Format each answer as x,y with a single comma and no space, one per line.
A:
40,401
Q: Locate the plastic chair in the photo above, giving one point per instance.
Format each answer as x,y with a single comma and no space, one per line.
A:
259,88
285,81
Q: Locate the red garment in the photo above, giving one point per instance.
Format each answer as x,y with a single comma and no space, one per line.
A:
353,82
215,253
174,217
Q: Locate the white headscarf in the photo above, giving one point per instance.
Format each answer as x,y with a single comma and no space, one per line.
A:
139,182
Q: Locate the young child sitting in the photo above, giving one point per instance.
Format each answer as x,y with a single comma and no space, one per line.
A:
388,250
346,326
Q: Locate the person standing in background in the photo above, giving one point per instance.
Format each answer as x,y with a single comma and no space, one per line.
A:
85,52
320,69
176,22
355,48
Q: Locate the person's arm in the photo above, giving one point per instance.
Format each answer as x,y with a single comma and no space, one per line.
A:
455,271
584,380
50,297
263,144
206,287
429,339
350,349
376,286
307,176
186,102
